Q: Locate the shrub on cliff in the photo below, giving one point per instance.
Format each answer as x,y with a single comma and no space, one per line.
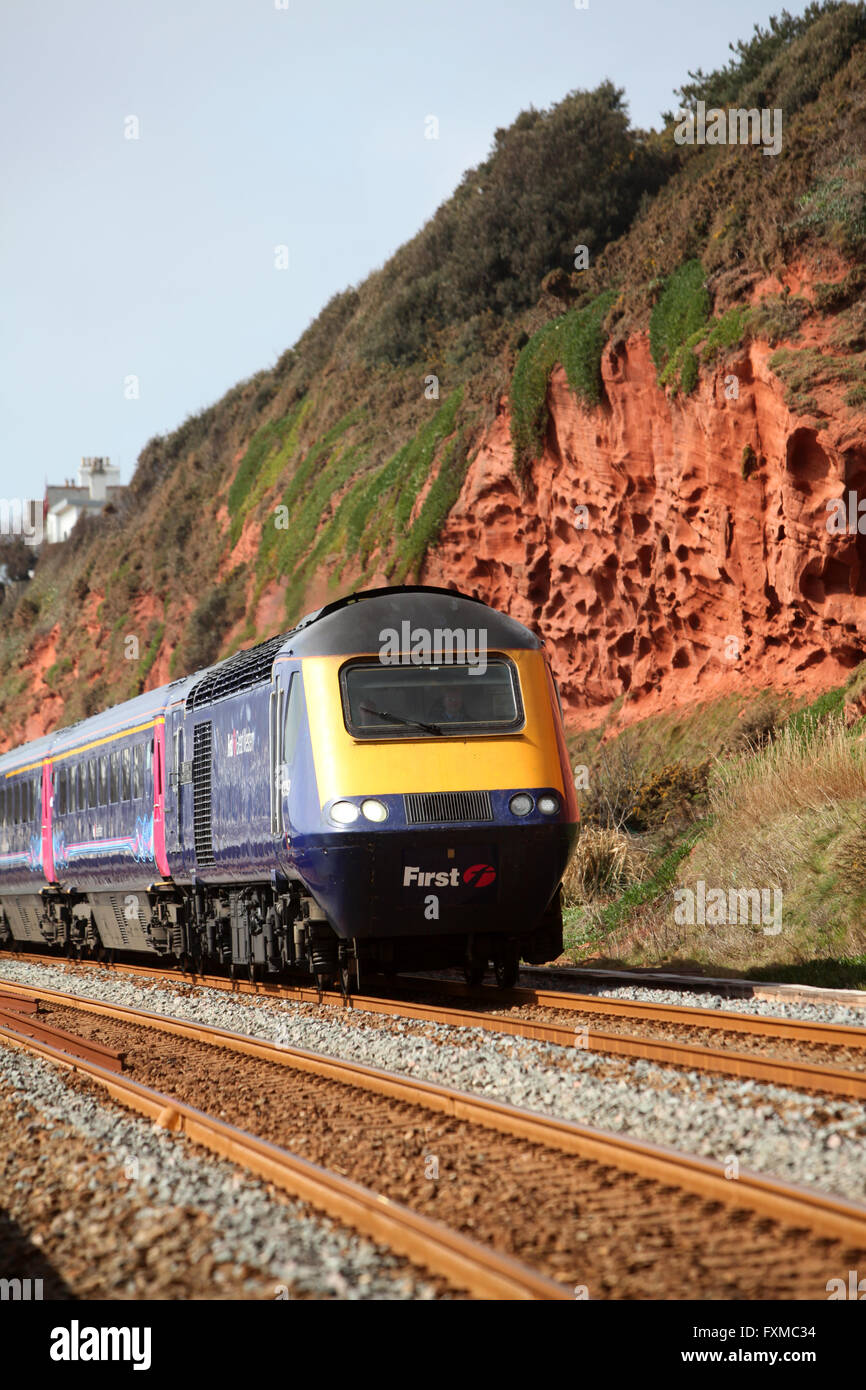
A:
575,340
682,311
786,63
573,175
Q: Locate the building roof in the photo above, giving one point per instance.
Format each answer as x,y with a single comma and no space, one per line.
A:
79,496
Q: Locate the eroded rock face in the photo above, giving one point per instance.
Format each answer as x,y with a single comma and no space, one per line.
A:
705,564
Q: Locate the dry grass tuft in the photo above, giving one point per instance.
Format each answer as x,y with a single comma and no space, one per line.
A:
604,861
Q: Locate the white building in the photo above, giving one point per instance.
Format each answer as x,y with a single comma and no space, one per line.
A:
97,484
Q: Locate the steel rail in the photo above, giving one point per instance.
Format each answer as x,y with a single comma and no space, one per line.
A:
796,1206
793,1029
14,1020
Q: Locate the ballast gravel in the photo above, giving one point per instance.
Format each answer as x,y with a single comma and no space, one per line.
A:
102,1204
815,1141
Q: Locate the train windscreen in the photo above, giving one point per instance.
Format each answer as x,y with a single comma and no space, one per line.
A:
382,701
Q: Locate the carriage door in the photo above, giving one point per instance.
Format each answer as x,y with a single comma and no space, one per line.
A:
180,812
284,716
277,778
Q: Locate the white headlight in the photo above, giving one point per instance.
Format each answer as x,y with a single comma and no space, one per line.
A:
374,810
548,805
521,804
344,812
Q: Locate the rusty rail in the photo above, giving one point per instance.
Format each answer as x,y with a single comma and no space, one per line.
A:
16,1022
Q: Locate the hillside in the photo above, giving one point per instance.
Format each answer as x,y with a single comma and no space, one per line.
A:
555,388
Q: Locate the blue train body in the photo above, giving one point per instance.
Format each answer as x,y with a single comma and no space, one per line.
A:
270,813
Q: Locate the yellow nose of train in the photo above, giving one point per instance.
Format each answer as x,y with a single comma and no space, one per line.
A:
444,811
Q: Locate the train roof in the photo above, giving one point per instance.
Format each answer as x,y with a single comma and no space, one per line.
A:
348,626
355,623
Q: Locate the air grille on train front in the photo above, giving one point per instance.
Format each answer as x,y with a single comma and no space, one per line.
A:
423,807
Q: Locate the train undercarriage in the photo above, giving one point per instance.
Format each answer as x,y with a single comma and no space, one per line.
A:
256,932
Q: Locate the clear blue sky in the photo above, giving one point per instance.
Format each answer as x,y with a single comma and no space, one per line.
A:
259,126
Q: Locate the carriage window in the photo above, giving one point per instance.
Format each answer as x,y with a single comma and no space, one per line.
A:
138,771
3,805
91,782
124,774
114,776
431,701
16,803
70,789
37,800
102,766
60,791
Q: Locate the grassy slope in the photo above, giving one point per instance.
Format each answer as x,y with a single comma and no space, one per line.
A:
782,807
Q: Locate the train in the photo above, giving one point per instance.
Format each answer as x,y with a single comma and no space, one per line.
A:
384,788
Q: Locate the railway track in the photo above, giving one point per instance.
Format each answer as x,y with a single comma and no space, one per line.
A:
572,1195
787,1052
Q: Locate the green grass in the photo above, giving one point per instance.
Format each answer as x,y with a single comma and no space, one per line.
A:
267,454
427,528
803,369
583,932
375,509
576,340
146,663
727,332
677,324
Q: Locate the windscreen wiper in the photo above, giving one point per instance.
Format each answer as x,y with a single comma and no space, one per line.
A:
397,719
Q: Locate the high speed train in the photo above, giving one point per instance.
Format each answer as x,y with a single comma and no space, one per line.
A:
385,787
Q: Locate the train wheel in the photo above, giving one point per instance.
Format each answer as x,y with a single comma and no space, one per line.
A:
474,974
507,968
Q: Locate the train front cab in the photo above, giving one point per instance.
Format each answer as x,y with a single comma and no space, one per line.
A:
447,806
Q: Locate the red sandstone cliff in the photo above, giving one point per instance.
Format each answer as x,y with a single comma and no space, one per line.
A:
689,580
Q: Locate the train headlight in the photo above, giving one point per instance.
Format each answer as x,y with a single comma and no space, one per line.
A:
548,805
374,810
521,804
344,812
